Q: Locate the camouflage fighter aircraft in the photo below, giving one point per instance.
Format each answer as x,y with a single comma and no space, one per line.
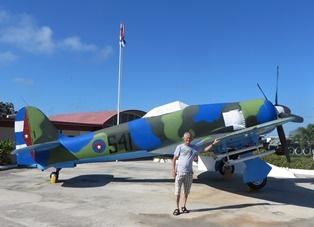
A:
237,125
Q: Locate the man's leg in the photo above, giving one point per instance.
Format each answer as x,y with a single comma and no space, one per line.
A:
177,190
187,187
178,201
185,198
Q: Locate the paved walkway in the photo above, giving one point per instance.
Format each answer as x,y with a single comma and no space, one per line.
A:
141,194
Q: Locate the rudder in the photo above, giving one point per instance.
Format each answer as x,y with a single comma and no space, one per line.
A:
32,127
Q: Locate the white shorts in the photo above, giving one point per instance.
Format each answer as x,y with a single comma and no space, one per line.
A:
183,178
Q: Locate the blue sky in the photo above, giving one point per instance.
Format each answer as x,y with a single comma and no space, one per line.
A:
62,56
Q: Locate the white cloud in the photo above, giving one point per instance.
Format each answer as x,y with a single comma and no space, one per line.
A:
74,43
21,31
7,57
23,81
105,52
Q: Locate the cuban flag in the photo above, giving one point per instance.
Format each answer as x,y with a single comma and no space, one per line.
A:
122,40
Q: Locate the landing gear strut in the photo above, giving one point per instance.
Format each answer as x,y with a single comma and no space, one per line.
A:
54,176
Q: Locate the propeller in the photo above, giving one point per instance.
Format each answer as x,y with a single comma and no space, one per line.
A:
259,87
276,96
283,112
283,149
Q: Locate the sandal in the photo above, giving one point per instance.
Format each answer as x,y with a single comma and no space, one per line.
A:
184,210
176,212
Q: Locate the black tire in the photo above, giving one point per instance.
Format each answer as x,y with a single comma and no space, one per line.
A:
298,151
291,150
306,151
221,168
257,185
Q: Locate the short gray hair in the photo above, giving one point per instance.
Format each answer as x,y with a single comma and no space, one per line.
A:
187,133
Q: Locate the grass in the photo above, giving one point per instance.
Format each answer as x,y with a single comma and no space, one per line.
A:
6,147
297,162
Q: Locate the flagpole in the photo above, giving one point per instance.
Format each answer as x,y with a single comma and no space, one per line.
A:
121,45
119,81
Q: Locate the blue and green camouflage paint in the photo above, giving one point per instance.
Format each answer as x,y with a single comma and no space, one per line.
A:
33,127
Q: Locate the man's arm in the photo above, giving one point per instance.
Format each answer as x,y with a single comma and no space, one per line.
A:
174,166
210,146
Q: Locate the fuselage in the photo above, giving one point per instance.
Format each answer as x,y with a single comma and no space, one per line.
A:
158,131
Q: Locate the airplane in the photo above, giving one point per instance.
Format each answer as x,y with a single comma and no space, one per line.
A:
237,125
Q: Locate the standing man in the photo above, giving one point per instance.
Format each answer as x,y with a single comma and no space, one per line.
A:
183,173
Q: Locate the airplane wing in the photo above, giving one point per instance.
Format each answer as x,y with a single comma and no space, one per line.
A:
250,173
169,149
226,133
166,150
257,129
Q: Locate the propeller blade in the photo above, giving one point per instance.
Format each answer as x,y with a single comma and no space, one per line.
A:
276,97
262,91
283,141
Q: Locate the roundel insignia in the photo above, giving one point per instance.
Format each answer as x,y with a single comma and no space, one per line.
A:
99,146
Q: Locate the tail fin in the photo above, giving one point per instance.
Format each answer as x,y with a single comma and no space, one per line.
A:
32,127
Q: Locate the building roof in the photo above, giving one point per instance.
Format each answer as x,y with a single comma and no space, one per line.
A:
97,118
91,121
86,121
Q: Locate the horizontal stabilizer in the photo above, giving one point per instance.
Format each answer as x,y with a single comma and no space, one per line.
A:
38,147
44,155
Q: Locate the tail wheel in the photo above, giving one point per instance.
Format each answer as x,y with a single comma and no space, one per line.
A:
54,176
256,185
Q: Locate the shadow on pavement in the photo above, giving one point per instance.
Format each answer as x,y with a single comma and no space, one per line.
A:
238,206
286,191
87,181
99,180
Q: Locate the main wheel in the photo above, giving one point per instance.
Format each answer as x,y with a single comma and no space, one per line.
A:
256,185
224,169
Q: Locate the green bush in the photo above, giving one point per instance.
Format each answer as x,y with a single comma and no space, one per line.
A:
6,147
297,162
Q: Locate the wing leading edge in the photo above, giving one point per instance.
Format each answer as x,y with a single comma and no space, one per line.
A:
257,129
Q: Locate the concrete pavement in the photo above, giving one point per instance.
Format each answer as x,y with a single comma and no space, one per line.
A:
141,194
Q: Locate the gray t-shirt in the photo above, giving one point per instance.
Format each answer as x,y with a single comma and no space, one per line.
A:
186,155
